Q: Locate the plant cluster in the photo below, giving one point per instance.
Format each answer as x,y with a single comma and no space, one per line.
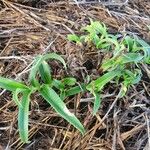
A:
46,86
122,66
122,60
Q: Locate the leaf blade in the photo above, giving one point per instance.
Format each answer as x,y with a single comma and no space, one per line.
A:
23,116
70,81
97,102
10,84
56,57
99,83
45,74
54,100
146,49
38,61
75,90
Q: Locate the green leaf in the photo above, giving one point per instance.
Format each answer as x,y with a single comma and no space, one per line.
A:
96,32
70,81
146,49
56,57
38,61
35,67
109,63
23,116
96,27
75,90
73,38
11,85
108,42
16,95
62,95
54,100
45,74
129,42
95,38
58,84
123,90
99,83
131,77
129,57
124,59
97,102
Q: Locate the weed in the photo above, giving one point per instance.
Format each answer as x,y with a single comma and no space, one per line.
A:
21,93
123,65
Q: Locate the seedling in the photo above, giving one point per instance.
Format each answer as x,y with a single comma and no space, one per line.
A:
123,64
46,88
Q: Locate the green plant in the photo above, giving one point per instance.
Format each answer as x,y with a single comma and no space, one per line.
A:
122,60
67,87
46,87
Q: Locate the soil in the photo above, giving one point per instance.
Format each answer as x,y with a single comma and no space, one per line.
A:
32,27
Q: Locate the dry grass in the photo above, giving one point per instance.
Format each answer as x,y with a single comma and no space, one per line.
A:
27,31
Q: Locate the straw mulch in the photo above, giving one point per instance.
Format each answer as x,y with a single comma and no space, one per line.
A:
29,28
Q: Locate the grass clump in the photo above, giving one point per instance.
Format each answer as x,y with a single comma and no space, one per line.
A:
122,58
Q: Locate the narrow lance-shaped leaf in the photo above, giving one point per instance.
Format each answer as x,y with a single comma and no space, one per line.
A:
32,76
75,90
97,102
123,90
23,117
73,37
97,85
38,61
129,57
70,81
16,96
146,49
11,85
55,56
109,63
115,61
109,41
58,84
54,100
45,72
102,81
129,42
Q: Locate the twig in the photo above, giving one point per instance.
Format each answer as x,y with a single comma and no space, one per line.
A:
115,130
14,57
49,45
148,130
92,98
98,2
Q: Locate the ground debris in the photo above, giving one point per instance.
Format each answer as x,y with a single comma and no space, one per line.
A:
29,28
